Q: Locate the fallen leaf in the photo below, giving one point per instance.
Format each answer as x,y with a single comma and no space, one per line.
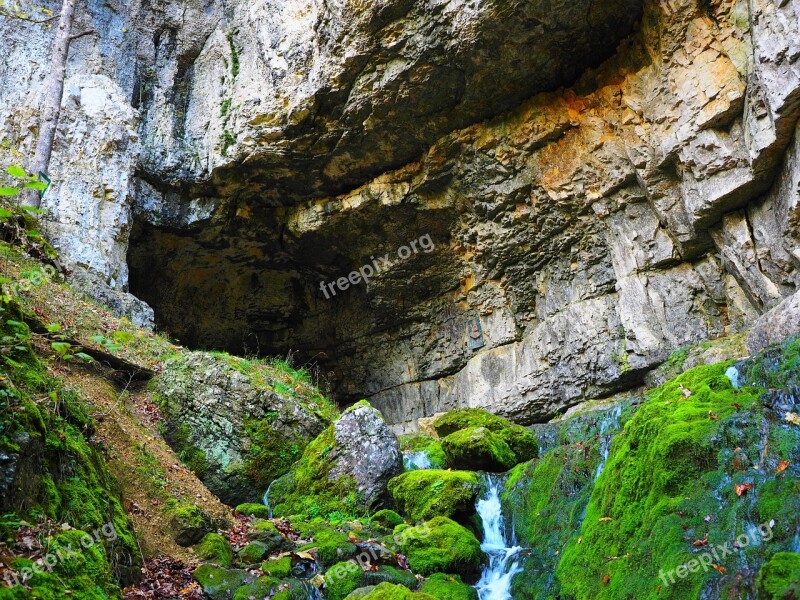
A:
719,568
713,416
687,393
708,518
606,579
792,418
784,464
699,543
605,519
736,405
741,488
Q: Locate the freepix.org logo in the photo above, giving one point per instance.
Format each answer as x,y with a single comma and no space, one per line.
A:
377,266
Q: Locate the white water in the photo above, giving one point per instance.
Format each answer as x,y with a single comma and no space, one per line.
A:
415,461
495,582
266,497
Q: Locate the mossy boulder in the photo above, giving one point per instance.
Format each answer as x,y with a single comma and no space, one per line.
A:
478,449
274,411
345,577
425,494
188,524
216,549
780,577
448,587
521,441
442,546
330,545
278,567
265,532
390,591
219,583
387,518
253,552
344,470
251,509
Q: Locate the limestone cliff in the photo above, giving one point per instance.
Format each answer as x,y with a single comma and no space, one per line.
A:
602,183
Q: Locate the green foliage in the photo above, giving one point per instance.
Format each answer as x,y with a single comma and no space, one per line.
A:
234,54
425,494
441,546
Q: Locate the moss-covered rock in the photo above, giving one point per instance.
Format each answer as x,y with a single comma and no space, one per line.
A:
449,587
253,552
278,567
390,591
331,546
342,579
216,549
422,495
386,518
219,583
780,577
521,441
478,449
188,524
266,532
251,509
441,546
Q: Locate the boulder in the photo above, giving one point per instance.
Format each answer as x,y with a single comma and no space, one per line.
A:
781,322
442,546
426,494
238,418
478,449
188,525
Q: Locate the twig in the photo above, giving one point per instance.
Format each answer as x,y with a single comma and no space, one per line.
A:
72,38
20,17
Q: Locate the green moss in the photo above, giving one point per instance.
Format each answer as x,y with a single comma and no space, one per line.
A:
278,567
219,583
521,441
390,591
270,454
188,524
780,577
309,490
426,494
263,587
253,552
674,457
265,531
441,546
215,548
448,587
478,449
386,518
546,500
251,509
343,578
331,545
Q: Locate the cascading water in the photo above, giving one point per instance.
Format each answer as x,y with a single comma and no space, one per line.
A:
608,429
266,498
495,581
416,461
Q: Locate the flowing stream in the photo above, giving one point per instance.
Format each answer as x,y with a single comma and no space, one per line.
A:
266,498
415,461
495,581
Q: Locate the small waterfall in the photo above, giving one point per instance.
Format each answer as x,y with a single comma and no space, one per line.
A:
495,581
415,461
608,429
266,498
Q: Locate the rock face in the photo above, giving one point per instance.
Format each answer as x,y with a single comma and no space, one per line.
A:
366,450
565,240
231,426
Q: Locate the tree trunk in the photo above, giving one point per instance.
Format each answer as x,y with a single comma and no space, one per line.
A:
51,108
